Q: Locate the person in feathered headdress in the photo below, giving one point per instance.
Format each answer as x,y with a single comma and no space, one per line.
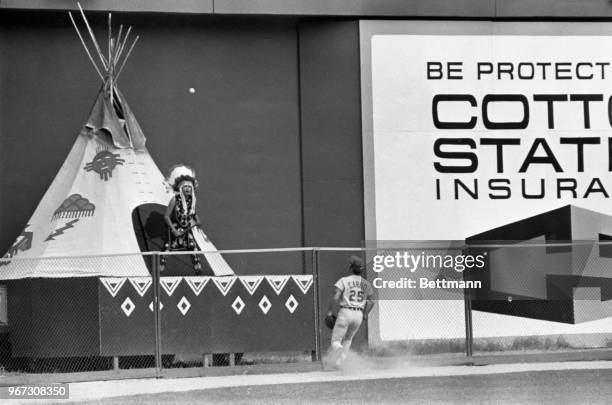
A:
180,215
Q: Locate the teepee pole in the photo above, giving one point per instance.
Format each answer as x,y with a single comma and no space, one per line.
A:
126,57
85,46
117,45
93,38
111,79
110,40
122,47
110,63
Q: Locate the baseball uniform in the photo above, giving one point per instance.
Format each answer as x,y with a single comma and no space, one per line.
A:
355,292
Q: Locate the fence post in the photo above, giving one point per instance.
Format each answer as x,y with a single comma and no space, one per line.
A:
315,285
156,314
469,337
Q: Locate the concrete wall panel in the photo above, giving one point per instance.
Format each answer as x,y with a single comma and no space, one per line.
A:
168,6
464,8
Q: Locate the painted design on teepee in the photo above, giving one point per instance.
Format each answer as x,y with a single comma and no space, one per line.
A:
113,284
74,206
60,231
141,284
197,283
23,243
251,283
224,284
303,282
104,163
169,284
277,283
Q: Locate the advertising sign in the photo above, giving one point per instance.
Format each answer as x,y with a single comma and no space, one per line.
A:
491,131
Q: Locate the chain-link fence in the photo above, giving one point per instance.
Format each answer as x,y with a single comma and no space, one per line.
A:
483,297
542,296
269,306
155,312
59,324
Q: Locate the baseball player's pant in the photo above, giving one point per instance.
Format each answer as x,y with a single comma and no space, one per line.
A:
346,327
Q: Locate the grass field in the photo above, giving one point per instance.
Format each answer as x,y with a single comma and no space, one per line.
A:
541,387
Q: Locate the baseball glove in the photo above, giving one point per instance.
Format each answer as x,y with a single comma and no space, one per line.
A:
330,321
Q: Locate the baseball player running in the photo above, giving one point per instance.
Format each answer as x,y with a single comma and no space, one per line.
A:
353,294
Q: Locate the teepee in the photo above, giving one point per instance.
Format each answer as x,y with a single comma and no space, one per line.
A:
87,210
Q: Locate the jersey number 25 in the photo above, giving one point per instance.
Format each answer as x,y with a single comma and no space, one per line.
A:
356,296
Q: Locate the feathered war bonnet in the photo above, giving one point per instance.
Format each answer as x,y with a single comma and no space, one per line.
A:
179,175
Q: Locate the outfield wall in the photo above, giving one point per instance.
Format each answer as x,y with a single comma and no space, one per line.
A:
274,128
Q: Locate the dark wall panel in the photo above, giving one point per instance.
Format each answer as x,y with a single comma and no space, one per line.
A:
239,130
333,212
331,146
331,133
